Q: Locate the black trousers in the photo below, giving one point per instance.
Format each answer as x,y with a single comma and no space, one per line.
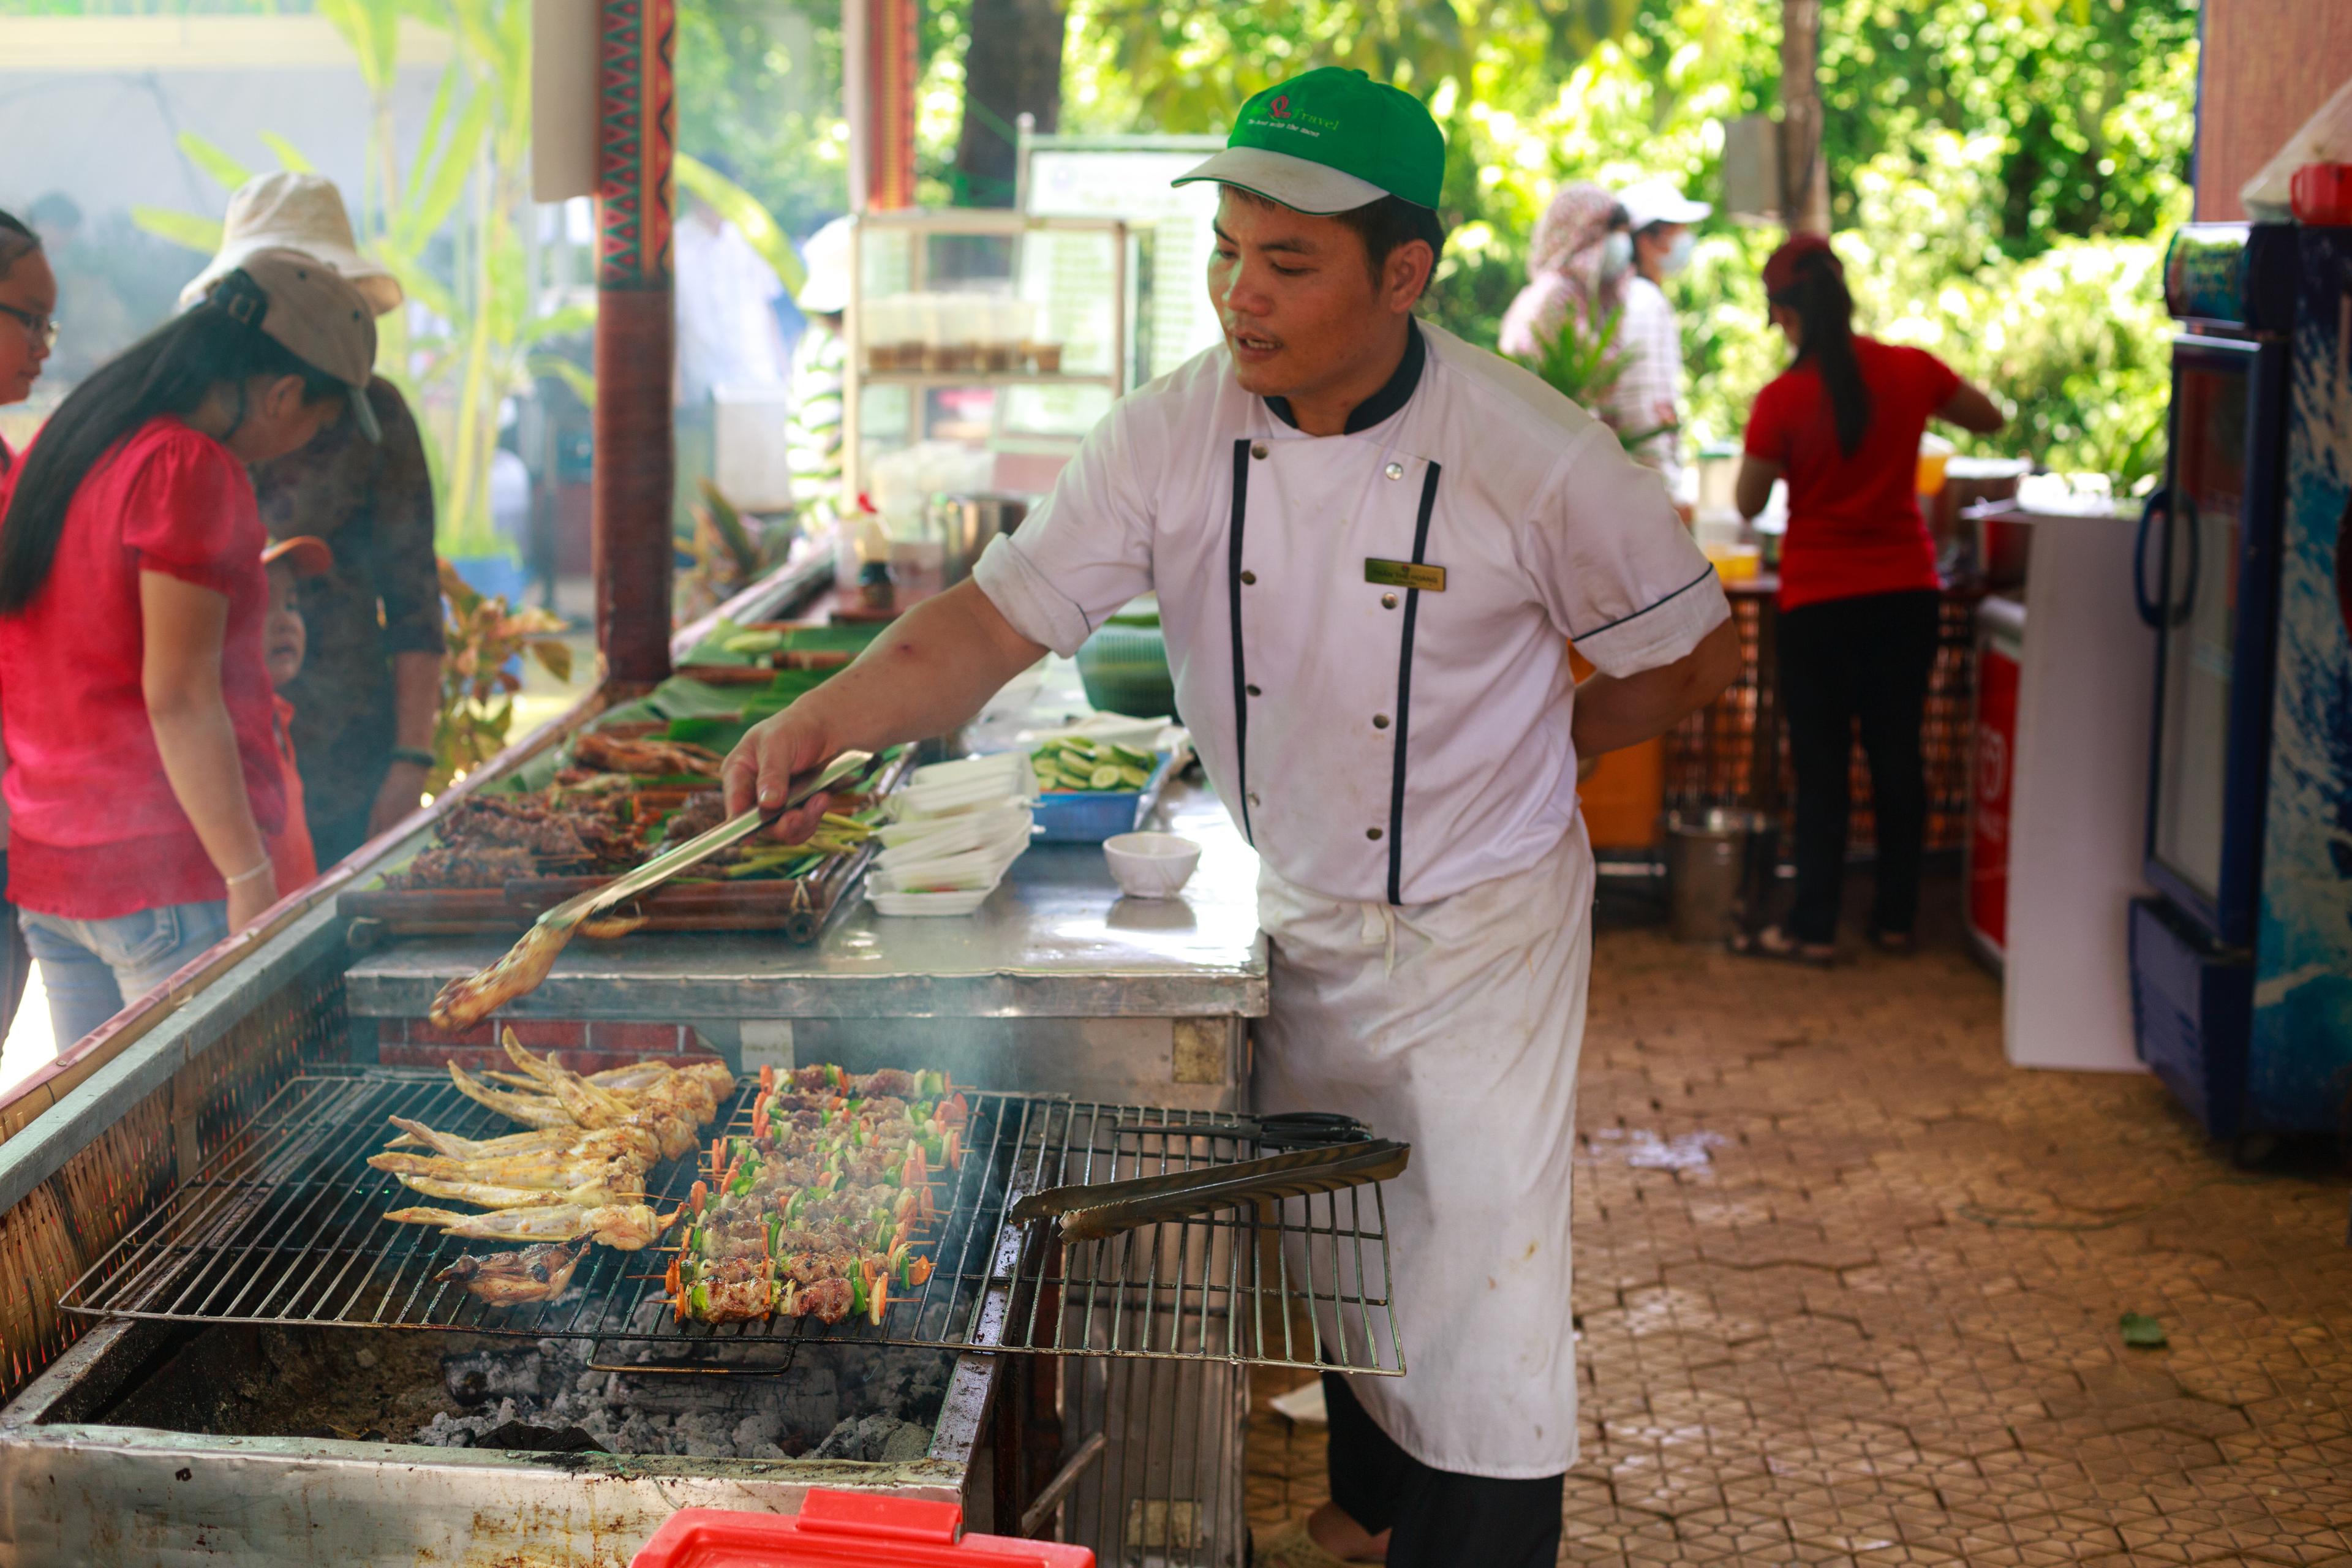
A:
1440,1519
1844,662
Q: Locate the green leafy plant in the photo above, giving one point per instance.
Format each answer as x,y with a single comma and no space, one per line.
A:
1582,363
484,637
450,227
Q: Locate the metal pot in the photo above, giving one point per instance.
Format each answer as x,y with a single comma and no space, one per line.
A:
965,524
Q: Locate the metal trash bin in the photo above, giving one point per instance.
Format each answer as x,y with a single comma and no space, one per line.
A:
1706,856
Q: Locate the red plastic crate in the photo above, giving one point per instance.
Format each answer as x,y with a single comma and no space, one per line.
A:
845,1529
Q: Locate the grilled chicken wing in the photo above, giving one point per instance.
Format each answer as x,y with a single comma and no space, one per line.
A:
538,1273
531,1110
552,1172
627,1227
491,1195
631,1144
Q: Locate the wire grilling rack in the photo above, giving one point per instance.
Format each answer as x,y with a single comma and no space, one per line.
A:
285,1226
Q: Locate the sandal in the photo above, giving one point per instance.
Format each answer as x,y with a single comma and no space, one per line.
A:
1775,943
1893,943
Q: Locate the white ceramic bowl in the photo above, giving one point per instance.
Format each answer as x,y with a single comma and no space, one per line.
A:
1150,864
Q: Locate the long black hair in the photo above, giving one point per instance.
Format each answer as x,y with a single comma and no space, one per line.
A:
17,241
1825,336
171,370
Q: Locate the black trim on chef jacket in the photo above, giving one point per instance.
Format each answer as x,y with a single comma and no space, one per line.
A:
1637,615
1404,690
1393,394
1234,587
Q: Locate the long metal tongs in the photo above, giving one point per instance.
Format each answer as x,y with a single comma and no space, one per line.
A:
702,846
1107,1208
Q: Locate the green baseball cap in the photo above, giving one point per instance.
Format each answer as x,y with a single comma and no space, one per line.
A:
1329,142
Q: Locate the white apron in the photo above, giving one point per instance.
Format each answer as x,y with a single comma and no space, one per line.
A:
1455,1026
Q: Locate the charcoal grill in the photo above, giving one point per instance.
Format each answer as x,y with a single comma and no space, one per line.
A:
284,1225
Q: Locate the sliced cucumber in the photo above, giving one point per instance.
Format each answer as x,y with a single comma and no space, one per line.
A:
1128,756
1108,776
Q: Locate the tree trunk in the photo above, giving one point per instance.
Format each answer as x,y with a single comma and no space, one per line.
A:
1014,66
1804,171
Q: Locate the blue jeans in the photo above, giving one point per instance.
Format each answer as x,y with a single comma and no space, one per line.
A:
91,967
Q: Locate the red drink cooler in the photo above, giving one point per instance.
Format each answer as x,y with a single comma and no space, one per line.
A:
845,1529
2000,649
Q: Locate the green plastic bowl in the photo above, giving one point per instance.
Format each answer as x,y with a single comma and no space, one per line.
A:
1124,668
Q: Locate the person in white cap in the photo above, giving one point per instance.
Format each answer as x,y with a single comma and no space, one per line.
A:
144,778
820,364
1648,393
369,691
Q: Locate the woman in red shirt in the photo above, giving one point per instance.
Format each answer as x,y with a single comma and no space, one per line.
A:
28,328
137,710
1860,595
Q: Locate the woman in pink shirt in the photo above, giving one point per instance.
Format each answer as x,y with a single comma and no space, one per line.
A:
143,773
29,329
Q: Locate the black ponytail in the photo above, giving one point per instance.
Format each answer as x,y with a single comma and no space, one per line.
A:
1825,335
170,371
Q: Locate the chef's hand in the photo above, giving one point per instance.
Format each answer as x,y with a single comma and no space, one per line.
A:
761,767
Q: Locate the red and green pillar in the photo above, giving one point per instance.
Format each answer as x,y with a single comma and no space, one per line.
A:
637,131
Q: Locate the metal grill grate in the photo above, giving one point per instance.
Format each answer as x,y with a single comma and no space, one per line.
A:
285,1224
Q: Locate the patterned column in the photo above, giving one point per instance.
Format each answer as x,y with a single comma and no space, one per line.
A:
891,39
637,128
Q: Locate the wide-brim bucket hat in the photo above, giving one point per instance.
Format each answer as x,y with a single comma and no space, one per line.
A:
292,211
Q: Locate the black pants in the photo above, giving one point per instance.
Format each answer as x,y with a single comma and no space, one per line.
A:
1867,660
1440,1519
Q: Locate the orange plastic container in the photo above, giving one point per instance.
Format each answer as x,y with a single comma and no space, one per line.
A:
845,1529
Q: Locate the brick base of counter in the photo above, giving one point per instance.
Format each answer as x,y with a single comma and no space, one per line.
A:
582,1046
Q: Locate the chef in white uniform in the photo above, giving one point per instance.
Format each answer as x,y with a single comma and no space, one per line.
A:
1372,543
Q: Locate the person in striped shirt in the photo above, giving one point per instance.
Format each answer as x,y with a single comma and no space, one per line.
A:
1647,396
819,363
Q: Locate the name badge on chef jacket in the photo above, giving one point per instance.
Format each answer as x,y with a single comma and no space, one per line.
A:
1404,574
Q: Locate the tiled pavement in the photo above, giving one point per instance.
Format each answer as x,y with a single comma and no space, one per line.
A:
1849,1289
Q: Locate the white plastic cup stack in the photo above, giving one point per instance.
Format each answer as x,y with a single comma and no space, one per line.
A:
955,830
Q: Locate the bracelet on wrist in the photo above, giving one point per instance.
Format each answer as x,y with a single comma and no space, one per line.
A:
244,877
416,755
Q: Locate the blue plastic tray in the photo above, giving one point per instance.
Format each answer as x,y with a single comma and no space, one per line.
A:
1091,816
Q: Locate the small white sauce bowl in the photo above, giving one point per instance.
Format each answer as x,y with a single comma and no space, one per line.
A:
1150,864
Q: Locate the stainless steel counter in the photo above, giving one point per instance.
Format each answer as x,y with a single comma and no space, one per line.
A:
1055,940
1056,984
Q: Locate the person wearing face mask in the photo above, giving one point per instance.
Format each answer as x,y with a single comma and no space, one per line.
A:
1577,265
28,330
1648,393
144,778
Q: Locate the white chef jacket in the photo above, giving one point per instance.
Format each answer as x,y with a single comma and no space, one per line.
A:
1375,741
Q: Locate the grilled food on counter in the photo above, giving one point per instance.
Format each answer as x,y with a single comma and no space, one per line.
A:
645,756
815,1213
540,1273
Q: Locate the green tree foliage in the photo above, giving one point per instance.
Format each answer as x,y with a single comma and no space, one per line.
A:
2002,171
759,97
